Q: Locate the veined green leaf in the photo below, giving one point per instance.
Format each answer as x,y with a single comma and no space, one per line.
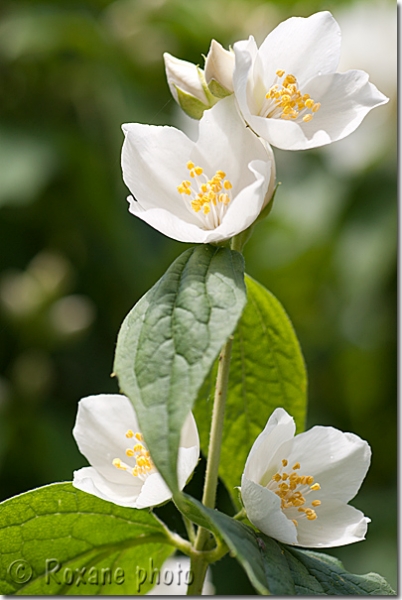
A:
56,540
320,574
266,371
281,570
170,339
240,539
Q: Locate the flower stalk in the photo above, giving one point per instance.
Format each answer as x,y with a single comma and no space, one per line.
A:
198,564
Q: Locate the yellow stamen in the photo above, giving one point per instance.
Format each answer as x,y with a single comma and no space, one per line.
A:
206,194
295,522
292,491
287,101
143,461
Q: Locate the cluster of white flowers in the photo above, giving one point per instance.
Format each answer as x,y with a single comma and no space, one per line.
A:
294,489
287,94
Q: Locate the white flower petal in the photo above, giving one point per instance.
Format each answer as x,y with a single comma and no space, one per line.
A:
345,99
245,54
89,480
308,49
279,429
189,433
186,76
154,162
337,524
304,47
245,208
168,223
271,494
154,491
186,462
263,508
219,65
100,428
338,461
100,431
227,144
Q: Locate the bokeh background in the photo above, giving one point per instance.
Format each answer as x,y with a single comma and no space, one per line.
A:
73,261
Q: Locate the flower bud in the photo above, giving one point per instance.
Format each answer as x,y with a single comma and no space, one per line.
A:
219,66
187,85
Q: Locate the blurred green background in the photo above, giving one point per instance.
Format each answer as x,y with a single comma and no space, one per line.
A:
73,261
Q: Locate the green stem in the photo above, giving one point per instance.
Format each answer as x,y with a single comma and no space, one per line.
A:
199,564
198,570
240,515
189,528
215,437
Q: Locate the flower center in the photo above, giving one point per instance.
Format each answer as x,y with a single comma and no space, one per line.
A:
209,197
143,462
284,100
292,489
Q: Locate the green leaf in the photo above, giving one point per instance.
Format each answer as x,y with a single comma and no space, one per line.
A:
240,539
57,540
170,339
328,572
266,371
292,571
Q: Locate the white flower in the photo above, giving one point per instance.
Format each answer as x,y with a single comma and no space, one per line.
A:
219,66
288,90
204,191
187,85
173,578
122,471
296,489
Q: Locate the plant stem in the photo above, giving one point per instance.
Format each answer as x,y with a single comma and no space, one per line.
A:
215,436
198,570
189,528
198,563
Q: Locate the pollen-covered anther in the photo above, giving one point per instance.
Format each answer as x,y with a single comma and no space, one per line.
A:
119,464
143,462
206,194
293,490
286,100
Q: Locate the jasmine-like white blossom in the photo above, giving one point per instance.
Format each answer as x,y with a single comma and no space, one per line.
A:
187,85
219,65
122,471
288,90
201,191
296,489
